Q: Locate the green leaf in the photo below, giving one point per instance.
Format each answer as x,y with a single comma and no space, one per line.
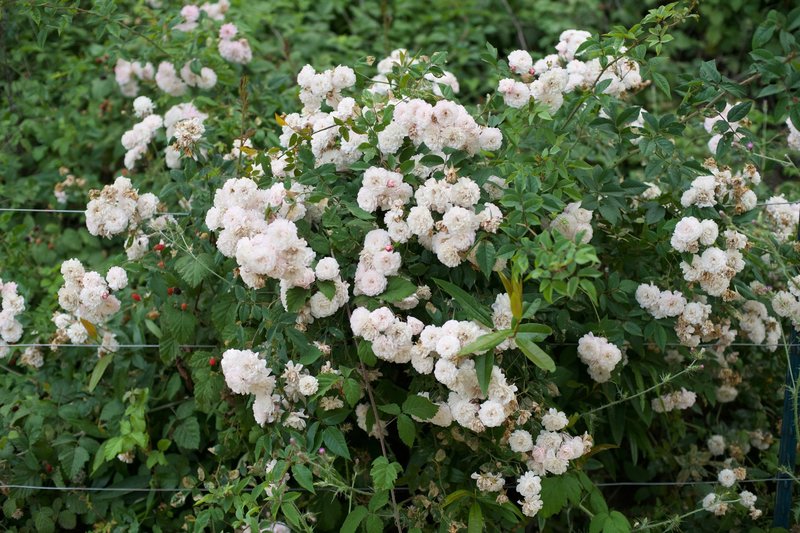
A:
374,524
557,492
420,406
485,342
763,34
365,353
390,408
187,434
99,370
67,519
296,298
177,324
353,520
193,270
328,288
303,477
358,212
709,72
538,332
655,213
291,513
475,519
661,82
616,523
378,500
486,255
406,429
613,522
335,442
739,111
454,497
352,391
396,289
43,520
467,302
483,367
384,473
73,460
534,353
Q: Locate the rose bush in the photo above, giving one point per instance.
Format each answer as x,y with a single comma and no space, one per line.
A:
338,297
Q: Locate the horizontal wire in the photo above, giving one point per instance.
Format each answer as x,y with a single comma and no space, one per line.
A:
75,211
58,345
680,483
203,489
711,345
28,210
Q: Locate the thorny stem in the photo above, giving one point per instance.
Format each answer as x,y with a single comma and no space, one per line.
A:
363,371
692,366
367,385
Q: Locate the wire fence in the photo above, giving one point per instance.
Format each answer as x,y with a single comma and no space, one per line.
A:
611,484
181,214
67,211
208,346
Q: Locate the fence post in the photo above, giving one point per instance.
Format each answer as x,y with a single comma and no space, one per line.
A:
787,455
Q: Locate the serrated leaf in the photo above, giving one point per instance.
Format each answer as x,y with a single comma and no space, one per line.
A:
420,406
296,298
187,434
390,409
378,500
352,391
193,270
73,460
335,442
557,492
374,524
303,477
534,353
483,368
485,342
384,473
406,429
468,303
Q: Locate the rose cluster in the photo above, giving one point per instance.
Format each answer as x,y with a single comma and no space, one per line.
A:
548,79
89,302
13,304
599,355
